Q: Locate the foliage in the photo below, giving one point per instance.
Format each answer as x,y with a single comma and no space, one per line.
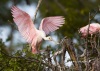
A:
22,60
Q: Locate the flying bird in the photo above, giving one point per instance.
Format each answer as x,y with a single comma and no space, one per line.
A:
28,30
93,29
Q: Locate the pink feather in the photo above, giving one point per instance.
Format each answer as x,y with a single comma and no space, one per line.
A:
51,24
94,28
25,26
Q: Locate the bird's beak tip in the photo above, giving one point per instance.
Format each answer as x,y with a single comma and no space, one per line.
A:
56,42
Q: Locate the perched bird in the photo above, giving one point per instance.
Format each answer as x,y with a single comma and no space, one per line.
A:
94,28
28,30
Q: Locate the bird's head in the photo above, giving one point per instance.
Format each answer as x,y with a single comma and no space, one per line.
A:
50,39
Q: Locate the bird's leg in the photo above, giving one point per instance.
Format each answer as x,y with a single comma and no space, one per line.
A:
38,47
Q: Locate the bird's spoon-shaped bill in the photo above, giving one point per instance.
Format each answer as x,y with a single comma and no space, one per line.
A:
55,42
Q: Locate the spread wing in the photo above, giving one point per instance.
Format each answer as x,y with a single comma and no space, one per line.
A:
24,23
51,24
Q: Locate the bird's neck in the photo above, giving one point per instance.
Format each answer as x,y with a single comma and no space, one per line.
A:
42,34
45,38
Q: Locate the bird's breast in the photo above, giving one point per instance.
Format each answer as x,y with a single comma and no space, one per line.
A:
39,39
41,34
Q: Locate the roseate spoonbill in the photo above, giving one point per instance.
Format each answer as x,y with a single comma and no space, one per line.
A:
28,30
94,28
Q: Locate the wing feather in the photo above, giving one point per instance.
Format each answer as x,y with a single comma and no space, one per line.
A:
24,23
51,24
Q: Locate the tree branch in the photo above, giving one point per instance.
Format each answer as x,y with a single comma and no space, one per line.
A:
61,7
37,8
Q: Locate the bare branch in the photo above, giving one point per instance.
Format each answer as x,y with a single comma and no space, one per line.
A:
67,43
37,8
61,6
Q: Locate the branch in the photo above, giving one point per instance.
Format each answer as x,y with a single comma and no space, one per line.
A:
87,64
67,43
61,6
37,8
56,54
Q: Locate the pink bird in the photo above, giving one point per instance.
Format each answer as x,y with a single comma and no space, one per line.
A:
94,28
28,30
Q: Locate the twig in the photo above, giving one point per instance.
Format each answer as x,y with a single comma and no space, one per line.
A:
55,55
67,43
63,54
37,8
87,43
61,6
